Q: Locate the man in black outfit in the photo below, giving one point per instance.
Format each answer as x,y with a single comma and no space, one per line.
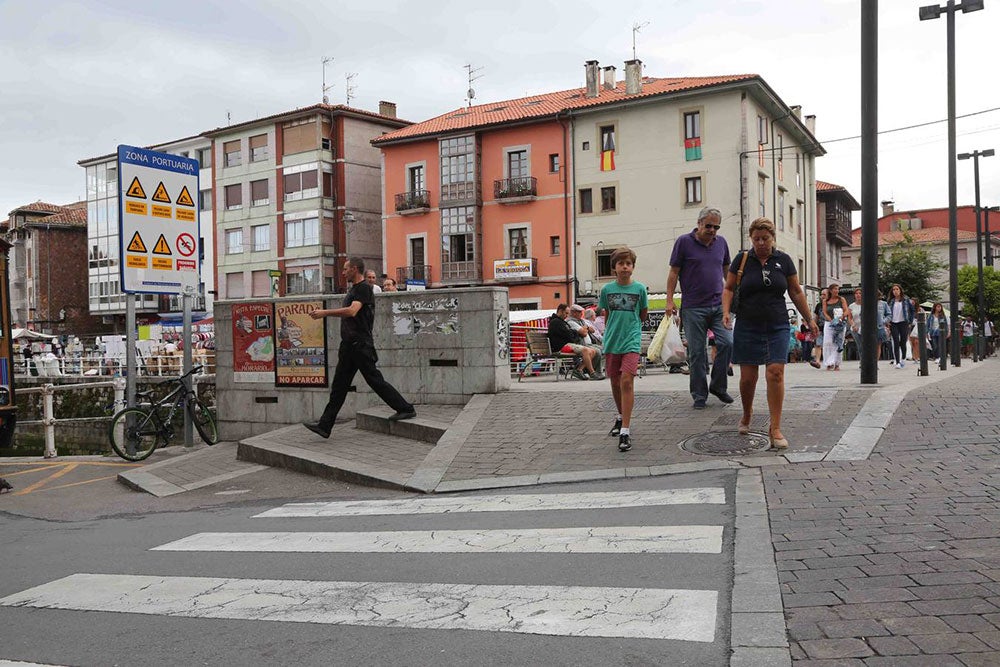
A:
357,351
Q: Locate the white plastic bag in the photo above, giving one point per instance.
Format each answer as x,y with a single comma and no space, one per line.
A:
656,345
673,351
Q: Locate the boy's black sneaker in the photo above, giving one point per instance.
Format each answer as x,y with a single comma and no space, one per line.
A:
616,430
624,443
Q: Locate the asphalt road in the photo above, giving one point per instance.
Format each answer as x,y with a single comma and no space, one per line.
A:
401,575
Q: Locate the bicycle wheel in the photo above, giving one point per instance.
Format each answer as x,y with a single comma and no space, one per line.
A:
203,420
133,434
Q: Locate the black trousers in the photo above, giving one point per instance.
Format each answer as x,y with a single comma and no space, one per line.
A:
900,332
352,358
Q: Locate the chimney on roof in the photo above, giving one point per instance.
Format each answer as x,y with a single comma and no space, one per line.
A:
811,124
888,207
592,84
609,78
387,109
633,77
797,111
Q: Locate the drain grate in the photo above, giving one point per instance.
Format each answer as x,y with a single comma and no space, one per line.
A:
725,444
641,403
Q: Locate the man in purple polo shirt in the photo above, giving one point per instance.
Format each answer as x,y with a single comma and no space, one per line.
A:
700,259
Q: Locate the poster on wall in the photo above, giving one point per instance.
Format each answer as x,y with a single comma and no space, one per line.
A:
253,342
300,347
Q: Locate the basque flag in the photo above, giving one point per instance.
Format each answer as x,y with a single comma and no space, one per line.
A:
692,149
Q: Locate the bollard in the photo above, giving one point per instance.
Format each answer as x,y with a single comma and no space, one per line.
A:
48,419
943,342
119,390
922,342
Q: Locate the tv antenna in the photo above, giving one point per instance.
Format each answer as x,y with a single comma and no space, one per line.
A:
348,87
326,100
471,93
636,28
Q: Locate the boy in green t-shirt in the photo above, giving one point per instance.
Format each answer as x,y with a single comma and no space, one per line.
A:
627,305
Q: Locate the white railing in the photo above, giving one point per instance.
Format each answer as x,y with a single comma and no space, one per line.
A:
48,404
99,366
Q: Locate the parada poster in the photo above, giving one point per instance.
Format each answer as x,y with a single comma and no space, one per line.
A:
300,347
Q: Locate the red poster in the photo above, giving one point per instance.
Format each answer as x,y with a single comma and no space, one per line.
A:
253,342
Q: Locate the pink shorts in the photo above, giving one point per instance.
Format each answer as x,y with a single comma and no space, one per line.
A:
616,364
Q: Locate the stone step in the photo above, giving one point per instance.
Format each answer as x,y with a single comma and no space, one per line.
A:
421,428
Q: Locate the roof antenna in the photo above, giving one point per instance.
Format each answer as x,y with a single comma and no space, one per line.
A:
326,100
471,93
636,27
229,118
348,87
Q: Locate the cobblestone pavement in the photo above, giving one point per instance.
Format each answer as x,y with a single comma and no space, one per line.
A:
896,560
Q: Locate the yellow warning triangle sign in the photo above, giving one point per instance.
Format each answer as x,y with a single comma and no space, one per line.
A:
184,198
162,247
161,194
135,190
136,244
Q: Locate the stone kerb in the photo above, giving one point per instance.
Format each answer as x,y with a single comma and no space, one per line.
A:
436,346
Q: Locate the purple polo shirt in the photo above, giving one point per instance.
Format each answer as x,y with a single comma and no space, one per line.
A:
701,270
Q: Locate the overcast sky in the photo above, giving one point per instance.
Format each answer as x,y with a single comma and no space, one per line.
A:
78,78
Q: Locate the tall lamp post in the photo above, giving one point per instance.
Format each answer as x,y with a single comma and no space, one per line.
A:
926,13
980,298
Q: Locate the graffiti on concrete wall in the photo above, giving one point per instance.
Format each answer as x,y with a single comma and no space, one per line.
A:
503,336
425,316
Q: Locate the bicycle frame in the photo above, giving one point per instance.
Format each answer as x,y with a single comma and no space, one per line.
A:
177,398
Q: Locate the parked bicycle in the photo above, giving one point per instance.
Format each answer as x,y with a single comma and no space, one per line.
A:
136,432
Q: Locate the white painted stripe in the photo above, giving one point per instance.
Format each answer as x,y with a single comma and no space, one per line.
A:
614,540
503,503
15,663
585,611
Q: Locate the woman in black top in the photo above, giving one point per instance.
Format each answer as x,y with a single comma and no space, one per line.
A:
761,334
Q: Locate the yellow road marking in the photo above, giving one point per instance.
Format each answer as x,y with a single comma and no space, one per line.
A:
69,467
62,463
25,472
86,481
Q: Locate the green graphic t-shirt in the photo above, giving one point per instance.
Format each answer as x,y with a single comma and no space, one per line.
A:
623,328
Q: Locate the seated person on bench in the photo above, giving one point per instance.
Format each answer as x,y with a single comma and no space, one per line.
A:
562,338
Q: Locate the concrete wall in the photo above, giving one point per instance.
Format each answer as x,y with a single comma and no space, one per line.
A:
436,346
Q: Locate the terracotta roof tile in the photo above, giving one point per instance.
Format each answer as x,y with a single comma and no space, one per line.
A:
41,207
823,186
926,235
549,104
329,108
71,217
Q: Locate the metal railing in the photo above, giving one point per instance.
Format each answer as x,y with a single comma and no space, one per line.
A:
523,186
96,365
414,272
415,199
48,392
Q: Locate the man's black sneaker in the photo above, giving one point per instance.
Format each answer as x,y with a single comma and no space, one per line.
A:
403,414
699,404
624,443
317,429
722,396
616,430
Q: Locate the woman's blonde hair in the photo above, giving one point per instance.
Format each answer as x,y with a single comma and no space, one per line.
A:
762,224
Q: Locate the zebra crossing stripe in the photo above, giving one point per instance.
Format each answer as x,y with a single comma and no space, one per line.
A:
613,540
583,611
503,503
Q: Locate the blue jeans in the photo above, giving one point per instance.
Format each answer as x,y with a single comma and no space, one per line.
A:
697,322
856,335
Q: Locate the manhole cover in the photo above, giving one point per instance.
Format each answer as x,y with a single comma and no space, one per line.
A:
726,444
641,403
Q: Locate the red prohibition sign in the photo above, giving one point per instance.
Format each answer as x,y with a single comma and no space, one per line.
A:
185,244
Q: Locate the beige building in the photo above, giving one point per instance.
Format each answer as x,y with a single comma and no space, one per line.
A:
295,194
727,142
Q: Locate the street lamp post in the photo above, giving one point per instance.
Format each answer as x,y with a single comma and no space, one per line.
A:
926,13
980,297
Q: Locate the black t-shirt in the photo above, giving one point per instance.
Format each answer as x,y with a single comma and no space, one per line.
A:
359,328
762,290
560,333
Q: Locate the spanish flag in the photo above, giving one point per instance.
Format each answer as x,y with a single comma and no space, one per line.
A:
692,149
608,160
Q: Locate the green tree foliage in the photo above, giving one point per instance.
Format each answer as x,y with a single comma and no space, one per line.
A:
967,282
913,267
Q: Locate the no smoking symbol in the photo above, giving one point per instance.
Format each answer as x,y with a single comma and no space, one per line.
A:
185,244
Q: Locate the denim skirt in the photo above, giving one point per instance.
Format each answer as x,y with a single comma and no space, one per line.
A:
759,343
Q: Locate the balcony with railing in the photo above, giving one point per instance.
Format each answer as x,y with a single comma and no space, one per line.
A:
461,272
414,202
838,229
417,272
515,190
522,270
